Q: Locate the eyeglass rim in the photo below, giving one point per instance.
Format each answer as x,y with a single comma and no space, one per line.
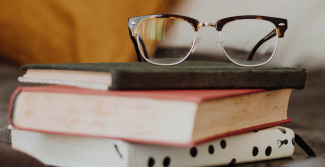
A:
280,23
134,22
245,65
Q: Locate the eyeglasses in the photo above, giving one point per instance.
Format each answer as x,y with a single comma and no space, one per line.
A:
169,39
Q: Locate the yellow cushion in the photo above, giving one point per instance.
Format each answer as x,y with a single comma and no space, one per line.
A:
70,31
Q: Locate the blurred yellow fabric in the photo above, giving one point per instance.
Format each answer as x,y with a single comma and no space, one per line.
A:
70,31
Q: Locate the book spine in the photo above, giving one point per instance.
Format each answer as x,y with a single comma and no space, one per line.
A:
12,104
266,144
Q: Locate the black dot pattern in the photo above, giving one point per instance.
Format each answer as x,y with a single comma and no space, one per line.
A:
255,151
285,141
223,144
293,141
232,162
268,151
166,162
282,130
211,149
255,131
151,162
193,151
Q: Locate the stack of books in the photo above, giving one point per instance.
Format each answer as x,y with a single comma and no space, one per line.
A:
138,115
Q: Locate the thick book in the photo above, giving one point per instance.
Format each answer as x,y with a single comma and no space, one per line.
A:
169,117
187,75
70,151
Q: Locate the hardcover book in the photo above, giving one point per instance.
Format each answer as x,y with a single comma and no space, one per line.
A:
168,117
143,75
70,151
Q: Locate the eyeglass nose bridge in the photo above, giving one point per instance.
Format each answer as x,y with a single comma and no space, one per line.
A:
205,24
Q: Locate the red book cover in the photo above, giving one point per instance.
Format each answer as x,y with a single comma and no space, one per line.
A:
196,96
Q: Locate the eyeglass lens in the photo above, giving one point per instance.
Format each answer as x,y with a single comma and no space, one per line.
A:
249,41
165,40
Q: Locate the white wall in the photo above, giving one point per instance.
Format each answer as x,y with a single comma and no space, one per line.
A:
303,43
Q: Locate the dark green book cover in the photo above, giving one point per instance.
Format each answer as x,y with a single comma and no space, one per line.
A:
189,75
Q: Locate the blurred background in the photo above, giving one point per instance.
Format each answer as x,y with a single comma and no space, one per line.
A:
78,31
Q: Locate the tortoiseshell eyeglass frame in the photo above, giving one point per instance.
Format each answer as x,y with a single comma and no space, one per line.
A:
133,23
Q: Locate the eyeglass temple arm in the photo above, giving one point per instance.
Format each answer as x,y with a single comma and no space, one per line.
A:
140,59
266,38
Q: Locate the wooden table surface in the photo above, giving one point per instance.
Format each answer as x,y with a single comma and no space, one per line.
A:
306,108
